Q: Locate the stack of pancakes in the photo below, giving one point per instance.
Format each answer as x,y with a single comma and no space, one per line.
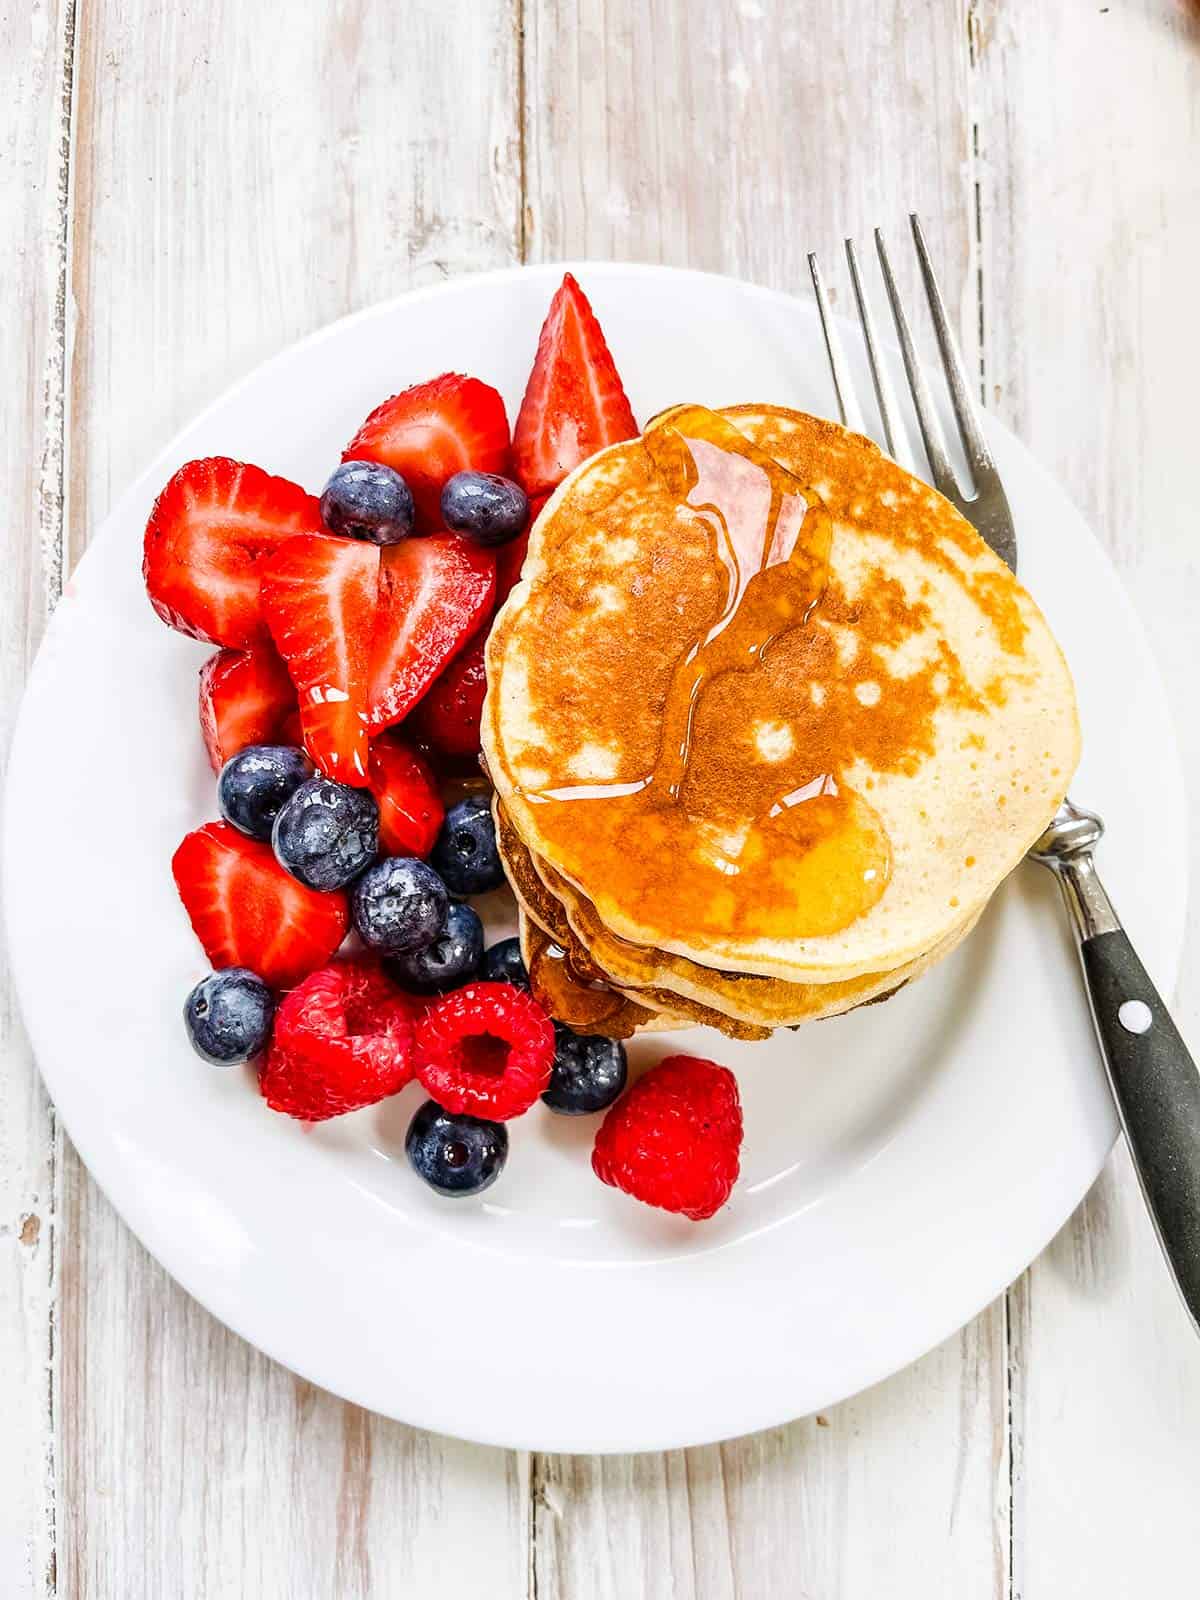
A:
767,723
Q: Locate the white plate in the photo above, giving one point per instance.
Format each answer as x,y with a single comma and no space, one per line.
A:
901,1165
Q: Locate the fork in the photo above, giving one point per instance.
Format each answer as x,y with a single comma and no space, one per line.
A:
1153,1078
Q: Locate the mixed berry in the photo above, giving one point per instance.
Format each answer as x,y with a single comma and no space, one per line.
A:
345,695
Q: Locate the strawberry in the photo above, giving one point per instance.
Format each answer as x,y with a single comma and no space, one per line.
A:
208,532
448,717
432,431
433,595
246,697
574,403
248,912
318,596
410,807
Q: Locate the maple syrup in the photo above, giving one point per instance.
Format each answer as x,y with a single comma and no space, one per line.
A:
744,826
567,993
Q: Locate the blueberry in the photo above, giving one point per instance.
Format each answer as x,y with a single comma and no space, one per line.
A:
589,1072
451,959
364,500
327,833
503,963
229,1015
456,1155
465,853
399,905
484,507
255,783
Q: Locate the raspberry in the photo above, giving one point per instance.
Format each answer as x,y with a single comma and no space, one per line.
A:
487,1049
342,1040
674,1139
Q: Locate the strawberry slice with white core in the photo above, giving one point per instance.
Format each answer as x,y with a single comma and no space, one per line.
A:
319,596
432,431
574,402
248,912
433,596
246,697
209,531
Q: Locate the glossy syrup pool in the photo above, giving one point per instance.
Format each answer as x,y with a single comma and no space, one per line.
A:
745,824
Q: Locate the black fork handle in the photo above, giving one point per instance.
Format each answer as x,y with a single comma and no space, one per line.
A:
1153,1077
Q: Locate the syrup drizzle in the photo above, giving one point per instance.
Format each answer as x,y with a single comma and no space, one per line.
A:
785,850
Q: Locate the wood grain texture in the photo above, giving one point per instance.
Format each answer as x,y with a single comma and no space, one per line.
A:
242,175
1090,203
35,75
900,1491
736,138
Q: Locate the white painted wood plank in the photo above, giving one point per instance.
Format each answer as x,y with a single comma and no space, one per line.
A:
35,94
901,1491
243,174
736,138
1090,187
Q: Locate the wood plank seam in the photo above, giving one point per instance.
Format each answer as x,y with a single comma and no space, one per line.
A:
522,135
52,501
1010,1312
52,478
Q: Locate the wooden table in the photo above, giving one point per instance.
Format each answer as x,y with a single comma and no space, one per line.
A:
187,187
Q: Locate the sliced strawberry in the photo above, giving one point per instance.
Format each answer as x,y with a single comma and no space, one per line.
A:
319,598
246,697
432,431
448,717
410,807
433,595
290,731
210,528
574,403
248,912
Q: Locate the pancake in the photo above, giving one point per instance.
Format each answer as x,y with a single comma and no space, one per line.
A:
768,1002
637,1019
570,984
658,978
768,703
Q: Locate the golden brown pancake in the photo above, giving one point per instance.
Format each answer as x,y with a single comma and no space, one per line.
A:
660,980
766,702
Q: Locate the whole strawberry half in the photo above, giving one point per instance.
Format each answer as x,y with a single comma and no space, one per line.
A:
574,402
406,791
448,717
432,431
433,595
342,1040
674,1140
246,697
209,531
319,596
248,912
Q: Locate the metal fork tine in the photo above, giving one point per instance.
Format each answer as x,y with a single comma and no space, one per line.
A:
843,384
973,439
931,428
894,432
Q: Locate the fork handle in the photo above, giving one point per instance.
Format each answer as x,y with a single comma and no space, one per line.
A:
1153,1078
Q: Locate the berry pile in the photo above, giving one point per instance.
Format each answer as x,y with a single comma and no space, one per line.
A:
347,688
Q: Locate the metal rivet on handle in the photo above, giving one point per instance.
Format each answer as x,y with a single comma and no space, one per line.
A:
1135,1016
